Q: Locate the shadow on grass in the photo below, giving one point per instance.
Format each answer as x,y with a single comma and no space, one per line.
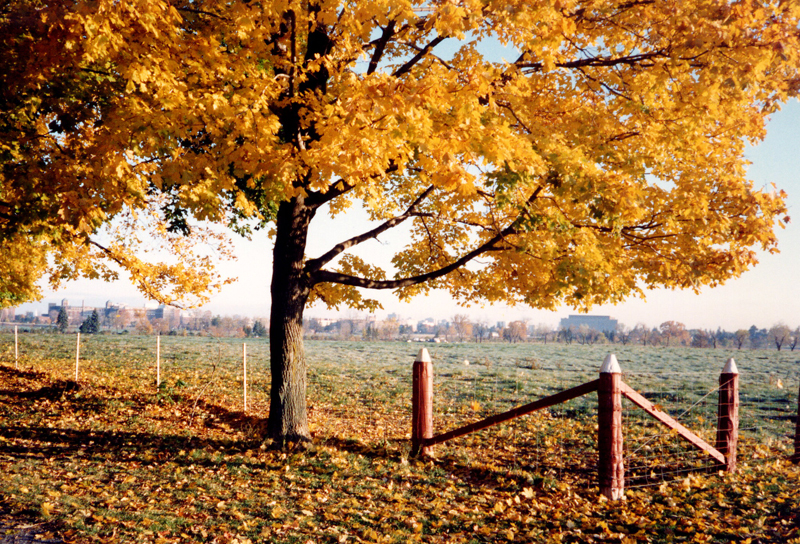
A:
46,441
40,441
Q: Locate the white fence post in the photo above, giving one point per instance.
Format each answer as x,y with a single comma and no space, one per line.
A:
244,374
77,355
16,349
158,361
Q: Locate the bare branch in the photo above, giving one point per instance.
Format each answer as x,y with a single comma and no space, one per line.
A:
380,47
419,56
598,61
202,12
439,59
326,276
314,265
335,190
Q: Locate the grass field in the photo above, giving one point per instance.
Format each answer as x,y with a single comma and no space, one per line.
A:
115,460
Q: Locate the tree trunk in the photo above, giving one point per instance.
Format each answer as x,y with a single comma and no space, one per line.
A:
288,417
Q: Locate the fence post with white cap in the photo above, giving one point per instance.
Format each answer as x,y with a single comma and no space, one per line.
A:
611,465
796,457
422,403
728,414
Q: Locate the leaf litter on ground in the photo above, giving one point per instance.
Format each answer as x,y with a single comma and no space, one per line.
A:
112,460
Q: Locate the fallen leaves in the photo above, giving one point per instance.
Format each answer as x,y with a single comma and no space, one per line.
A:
114,462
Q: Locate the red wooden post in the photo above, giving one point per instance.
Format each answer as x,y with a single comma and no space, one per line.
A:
728,414
611,465
422,404
796,457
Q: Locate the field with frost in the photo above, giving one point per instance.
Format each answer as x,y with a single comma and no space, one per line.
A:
114,459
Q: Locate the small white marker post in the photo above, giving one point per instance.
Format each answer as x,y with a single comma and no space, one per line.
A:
16,349
77,355
244,374
158,361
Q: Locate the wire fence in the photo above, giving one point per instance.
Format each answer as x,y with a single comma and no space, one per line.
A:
362,391
561,442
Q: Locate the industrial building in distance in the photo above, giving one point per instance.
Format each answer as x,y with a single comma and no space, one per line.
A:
600,323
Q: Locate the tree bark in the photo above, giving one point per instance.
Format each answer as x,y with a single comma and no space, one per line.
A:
288,416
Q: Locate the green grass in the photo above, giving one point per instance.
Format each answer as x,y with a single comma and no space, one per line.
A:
119,460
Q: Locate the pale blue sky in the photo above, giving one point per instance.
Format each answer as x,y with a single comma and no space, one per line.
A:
762,296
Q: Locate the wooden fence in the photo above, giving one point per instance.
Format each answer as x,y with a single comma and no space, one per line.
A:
610,389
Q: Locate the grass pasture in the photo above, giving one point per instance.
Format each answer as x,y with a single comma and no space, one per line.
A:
115,460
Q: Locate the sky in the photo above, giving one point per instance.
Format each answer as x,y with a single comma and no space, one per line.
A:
763,296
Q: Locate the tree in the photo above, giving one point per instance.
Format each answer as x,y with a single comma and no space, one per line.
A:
259,329
605,156
758,337
463,326
482,330
623,333
567,333
91,325
543,330
20,269
779,333
389,329
516,331
740,337
345,329
160,325
62,322
674,329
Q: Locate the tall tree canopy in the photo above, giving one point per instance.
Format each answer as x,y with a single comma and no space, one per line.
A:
602,156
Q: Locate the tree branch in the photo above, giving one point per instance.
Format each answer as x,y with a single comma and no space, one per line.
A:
203,12
411,63
314,265
326,276
418,48
144,285
380,47
598,61
335,190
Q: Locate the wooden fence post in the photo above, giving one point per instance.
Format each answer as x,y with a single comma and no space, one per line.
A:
611,465
16,349
77,355
158,361
244,376
796,457
422,403
728,414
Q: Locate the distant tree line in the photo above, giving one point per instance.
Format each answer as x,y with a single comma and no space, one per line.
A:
460,328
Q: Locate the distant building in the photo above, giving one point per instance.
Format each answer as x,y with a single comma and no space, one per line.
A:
163,312
602,323
119,315
426,326
75,314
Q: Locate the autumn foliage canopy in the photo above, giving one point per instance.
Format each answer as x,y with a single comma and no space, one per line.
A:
599,151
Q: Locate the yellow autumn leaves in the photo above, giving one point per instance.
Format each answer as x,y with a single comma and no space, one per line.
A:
624,125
